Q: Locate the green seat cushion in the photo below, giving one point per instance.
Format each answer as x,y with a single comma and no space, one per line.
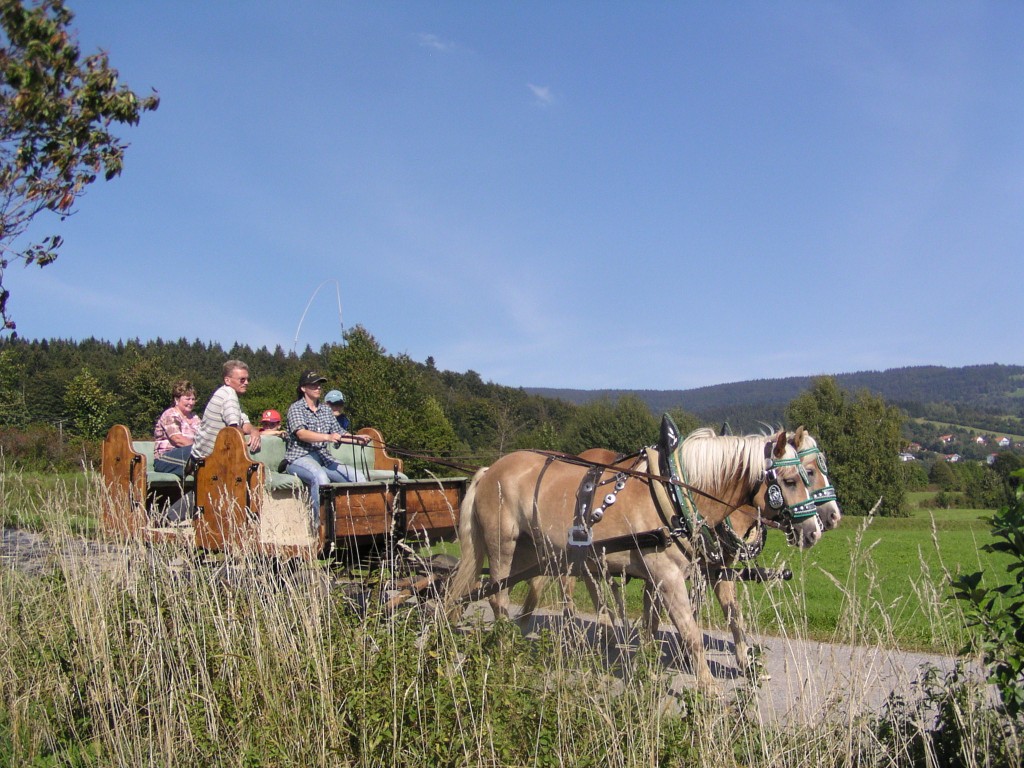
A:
145,447
271,453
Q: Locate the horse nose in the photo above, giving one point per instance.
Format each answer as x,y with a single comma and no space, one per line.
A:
809,538
832,518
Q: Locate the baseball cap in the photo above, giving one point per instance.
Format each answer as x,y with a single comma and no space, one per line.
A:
334,396
271,415
311,377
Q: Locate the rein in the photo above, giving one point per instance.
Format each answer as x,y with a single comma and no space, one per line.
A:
570,458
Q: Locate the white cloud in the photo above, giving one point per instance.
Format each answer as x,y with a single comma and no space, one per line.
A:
434,43
542,93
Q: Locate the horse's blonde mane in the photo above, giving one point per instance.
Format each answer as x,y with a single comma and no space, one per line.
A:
708,459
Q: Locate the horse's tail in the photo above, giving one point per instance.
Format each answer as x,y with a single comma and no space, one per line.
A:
471,544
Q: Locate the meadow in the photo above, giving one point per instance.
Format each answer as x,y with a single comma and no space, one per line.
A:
152,655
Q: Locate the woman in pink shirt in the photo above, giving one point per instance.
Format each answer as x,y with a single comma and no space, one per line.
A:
175,431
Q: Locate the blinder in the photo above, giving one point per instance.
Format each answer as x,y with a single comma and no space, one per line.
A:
826,494
774,497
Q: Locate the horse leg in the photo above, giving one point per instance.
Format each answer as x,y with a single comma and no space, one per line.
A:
670,578
508,557
593,576
618,588
725,591
533,594
652,609
567,583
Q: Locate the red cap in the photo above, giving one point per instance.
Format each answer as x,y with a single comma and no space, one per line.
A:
271,415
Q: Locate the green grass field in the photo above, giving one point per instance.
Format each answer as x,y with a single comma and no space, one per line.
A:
897,569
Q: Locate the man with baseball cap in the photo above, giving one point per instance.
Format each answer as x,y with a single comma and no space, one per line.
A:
313,428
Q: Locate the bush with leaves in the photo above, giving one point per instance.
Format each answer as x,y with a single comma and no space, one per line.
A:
998,612
89,405
861,435
915,476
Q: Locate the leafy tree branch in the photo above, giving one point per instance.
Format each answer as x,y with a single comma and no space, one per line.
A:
57,113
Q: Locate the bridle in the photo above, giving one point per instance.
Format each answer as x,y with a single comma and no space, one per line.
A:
788,516
826,494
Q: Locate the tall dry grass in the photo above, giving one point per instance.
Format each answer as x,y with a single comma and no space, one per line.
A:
124,654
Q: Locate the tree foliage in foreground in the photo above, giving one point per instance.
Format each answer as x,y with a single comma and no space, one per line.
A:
861,436
57,112
998,612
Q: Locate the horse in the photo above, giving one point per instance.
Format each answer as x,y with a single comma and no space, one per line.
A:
812,459
522,514
741,535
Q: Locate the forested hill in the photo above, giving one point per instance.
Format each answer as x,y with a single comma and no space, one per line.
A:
990,388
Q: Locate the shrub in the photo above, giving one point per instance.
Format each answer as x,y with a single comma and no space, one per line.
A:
949,723
998,612
914,475
45,449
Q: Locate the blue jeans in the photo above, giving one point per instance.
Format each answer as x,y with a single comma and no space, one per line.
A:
314,471
173,462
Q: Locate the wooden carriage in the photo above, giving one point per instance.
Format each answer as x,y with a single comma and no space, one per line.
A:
244,502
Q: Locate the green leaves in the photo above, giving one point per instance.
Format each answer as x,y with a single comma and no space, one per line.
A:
861,435
998,612
56,114
391,394
90,405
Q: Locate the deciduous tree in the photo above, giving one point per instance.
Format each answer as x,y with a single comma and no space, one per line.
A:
861,436
626,426
57,114
390,393
89,405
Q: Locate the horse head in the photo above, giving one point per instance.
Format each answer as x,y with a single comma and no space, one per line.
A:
784,495
761,471
813,460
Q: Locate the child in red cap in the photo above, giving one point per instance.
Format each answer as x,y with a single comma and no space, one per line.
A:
270,424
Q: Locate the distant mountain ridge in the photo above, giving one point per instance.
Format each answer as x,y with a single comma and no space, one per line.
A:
994,387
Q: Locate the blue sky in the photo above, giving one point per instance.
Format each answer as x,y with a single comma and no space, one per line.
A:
628,195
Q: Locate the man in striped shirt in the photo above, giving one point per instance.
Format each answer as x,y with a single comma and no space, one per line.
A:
224,410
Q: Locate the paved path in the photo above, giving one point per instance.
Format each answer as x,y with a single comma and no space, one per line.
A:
808,679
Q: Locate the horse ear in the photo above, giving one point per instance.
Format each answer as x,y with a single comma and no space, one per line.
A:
669,434
798,437
780,445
